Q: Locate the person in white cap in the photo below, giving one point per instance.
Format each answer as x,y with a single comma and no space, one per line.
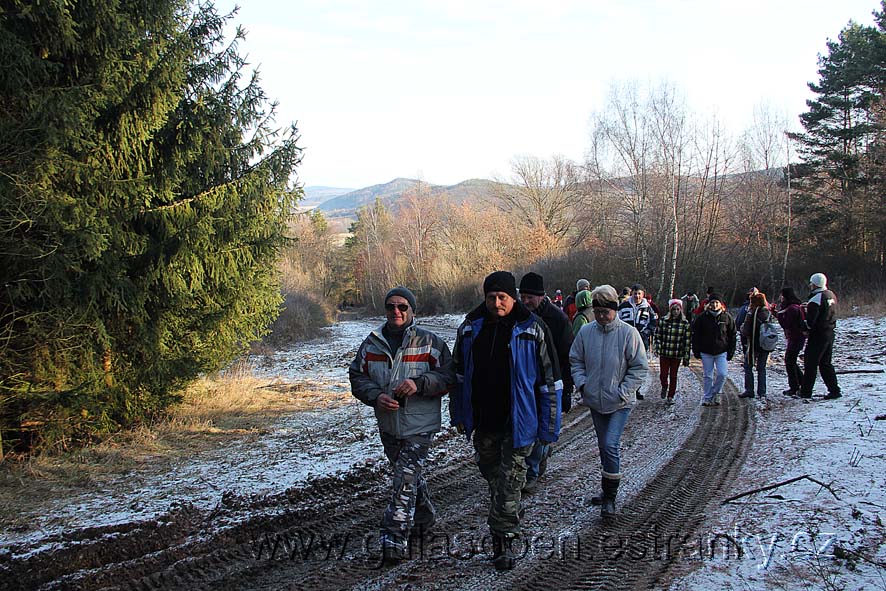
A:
821,322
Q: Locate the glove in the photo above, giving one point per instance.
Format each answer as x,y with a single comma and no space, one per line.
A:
685,363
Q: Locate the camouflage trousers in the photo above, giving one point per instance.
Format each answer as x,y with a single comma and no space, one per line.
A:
504,468
410,505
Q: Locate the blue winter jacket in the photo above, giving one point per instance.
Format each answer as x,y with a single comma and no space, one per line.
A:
535,389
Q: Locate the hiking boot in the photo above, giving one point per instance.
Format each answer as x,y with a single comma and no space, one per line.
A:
640,396
664,392
717,399
832,395
530,485
708,403
669,401
392,549
746,395
789,392
503,557
804,395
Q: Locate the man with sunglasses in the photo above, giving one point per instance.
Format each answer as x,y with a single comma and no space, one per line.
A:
403,371
507,396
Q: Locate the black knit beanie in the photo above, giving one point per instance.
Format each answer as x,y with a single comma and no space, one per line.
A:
532,284
501,281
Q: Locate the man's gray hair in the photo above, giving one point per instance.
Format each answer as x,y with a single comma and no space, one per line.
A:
582,284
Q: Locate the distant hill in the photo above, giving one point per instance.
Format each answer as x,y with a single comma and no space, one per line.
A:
315,195
469,191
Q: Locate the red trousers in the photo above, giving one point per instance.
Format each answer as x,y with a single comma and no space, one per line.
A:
669,367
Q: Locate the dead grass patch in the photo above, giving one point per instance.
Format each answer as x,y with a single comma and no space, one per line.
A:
216,411
864,303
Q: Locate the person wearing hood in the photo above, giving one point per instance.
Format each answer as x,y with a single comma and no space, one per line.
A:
821,325
584,313
569,304
790,316
713,341
674,345
402,371
609,364
507,396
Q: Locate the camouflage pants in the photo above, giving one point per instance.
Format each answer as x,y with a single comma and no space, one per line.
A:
504,468
410,504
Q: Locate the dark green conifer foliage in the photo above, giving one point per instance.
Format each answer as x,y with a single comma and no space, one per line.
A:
838,202
144,196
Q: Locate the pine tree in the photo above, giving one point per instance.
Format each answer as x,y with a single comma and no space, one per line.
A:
837,199
144,196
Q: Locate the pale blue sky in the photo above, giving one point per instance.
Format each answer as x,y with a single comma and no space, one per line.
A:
453,90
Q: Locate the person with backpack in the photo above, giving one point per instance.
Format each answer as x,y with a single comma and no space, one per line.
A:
793,321
673,344
756,349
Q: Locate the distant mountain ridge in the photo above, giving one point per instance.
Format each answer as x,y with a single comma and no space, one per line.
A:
315,195
469,191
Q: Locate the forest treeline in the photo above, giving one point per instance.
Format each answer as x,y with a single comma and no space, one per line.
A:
665,198
149,236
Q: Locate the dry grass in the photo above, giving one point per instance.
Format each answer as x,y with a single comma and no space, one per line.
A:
864,303
215,411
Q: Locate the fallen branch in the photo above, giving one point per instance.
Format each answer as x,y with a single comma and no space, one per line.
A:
880,418
860,371
778,484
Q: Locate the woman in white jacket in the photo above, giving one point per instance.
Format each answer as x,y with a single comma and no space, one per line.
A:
608,362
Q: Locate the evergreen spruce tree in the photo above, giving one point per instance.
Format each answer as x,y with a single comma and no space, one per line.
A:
144,198
838,200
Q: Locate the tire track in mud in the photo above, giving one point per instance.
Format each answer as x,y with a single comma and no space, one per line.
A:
322,535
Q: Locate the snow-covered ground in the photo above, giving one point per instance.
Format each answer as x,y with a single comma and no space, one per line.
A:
803,535
797,536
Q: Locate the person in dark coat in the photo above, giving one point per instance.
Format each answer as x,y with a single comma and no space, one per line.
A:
713,341
821,324
532,295
792,319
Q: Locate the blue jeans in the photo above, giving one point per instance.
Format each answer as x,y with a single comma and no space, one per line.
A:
758,363
713,385
609,429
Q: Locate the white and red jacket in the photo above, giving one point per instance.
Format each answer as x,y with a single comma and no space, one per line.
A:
425,358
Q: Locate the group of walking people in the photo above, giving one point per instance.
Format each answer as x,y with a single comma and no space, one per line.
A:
516,361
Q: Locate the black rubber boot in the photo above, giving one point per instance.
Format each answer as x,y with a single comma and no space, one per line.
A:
610,491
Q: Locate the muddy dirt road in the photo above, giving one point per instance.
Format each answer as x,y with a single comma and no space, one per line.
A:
323,535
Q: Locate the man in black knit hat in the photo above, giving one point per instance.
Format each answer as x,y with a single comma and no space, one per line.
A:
532,295
507,396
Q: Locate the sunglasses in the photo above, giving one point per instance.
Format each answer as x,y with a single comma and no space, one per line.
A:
401,307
